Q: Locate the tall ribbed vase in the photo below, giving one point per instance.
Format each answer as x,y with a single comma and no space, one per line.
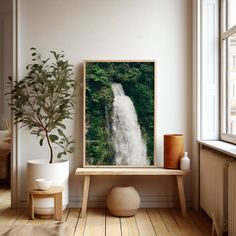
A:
173,150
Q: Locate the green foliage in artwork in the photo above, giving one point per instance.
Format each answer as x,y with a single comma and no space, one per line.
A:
99,99
137,79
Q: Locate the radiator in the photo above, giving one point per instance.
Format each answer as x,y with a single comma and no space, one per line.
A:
232,199
213,188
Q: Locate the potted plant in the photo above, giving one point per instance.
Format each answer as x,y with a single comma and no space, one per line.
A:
41,102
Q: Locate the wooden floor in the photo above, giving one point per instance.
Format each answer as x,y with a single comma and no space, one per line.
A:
147,222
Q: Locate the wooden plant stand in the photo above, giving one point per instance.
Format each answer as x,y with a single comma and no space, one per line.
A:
55,192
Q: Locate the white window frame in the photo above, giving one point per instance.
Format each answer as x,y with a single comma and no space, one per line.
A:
225,33
209,70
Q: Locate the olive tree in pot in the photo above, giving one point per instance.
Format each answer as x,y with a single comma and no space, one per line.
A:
41,102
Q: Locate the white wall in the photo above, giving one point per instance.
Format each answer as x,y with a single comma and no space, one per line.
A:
122,29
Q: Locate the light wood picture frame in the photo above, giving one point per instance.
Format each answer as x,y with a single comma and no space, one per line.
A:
119,113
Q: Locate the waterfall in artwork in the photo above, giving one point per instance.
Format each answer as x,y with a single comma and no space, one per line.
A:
128,144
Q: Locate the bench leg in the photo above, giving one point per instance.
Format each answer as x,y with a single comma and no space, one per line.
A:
58,206
31,206
85,196
180,184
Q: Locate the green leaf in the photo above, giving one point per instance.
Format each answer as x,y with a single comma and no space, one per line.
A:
59,155
60,132
41,142
62,126
53,138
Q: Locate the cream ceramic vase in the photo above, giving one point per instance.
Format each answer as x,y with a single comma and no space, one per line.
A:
123,201
185,162
58,173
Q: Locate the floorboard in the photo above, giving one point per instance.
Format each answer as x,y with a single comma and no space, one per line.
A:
157,222
95,224
99,222
144,224
129,226
169,220
113,226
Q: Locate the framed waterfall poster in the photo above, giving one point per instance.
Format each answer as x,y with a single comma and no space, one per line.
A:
119,114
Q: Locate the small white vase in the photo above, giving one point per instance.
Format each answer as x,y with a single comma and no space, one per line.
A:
185,162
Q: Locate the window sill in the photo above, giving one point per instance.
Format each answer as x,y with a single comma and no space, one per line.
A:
220,146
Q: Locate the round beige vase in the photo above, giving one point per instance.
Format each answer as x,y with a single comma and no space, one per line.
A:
123,201
173,150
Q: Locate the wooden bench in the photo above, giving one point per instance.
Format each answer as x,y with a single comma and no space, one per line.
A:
87,172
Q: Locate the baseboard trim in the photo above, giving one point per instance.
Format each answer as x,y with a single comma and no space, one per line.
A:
159,201
142,205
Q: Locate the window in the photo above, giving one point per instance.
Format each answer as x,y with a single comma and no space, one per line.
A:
209,69
228,70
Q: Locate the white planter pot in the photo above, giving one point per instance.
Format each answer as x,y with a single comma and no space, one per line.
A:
58,173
